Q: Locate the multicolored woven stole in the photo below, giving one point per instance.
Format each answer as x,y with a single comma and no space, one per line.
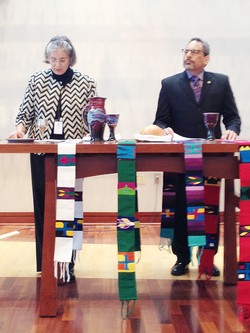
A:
243,288
128,232
65,208
202,195
194,193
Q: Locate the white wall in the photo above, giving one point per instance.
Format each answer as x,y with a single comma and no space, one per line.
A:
105,199
128,46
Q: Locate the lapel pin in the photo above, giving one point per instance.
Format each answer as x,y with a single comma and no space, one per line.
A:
208,82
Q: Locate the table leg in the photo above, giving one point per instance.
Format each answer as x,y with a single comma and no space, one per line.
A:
48,290
230,240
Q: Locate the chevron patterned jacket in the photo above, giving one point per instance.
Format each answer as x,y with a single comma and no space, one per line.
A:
41,100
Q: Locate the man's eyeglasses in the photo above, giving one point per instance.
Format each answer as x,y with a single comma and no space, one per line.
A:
192,51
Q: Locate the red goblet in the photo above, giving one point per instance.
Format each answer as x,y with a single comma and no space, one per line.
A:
210,121
112,121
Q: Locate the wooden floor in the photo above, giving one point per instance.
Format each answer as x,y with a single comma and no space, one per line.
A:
91,305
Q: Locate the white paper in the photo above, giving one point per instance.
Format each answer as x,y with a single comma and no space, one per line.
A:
163,138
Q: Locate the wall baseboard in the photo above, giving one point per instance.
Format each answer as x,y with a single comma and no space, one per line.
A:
16,217
89,217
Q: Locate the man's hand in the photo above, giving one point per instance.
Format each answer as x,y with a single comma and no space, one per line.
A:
229,135
169,131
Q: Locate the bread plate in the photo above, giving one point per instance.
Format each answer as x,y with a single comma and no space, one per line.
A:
20,140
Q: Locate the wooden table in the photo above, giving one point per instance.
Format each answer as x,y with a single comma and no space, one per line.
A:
220,160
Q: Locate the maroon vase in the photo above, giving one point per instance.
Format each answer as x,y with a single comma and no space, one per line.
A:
97,103
96,118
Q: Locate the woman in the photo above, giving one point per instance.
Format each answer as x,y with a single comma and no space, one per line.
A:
60,95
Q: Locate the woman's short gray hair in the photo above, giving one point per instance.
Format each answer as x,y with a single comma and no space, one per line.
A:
62,43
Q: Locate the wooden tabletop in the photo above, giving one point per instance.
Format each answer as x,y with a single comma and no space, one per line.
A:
110,147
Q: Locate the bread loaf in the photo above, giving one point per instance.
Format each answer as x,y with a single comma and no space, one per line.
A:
152,130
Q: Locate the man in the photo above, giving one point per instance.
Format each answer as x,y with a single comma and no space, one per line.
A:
183,99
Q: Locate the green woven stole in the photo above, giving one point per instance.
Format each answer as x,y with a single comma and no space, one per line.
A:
243,288
128,231
202,195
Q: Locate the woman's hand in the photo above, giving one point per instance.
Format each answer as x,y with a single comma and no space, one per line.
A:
19,132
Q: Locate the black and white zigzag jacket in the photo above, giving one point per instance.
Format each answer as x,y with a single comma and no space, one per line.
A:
41,100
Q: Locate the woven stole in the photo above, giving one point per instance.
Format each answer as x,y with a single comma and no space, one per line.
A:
128,232
66,208
194,193
202,195
243,289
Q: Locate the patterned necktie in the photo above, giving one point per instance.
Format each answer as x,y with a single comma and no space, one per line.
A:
196,86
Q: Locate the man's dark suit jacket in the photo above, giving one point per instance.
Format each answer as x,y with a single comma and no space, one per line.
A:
177,107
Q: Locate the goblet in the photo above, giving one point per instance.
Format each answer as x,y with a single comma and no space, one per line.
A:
210,121
42,124
112,121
